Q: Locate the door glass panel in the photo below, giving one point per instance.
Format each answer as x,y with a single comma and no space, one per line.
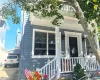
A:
73,46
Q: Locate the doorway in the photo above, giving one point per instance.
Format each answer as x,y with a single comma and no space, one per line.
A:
73,47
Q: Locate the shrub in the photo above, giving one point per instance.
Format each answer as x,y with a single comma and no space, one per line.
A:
78,72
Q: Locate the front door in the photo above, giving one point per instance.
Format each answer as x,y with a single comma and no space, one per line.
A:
73,47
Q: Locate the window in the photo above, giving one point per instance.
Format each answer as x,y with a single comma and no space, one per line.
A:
11,57
44,43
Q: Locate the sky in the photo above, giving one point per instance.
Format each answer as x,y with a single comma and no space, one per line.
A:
10,38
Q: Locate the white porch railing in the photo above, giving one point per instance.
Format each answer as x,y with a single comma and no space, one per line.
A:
49,69
89,64
67,65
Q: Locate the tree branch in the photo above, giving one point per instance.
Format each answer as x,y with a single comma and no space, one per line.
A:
85,25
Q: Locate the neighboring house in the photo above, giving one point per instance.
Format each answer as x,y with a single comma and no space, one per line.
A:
3,28
45,47
18,38
16,50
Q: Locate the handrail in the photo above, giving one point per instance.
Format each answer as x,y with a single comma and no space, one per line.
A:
49,69
48,63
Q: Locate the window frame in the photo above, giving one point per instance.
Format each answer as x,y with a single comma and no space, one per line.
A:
47,48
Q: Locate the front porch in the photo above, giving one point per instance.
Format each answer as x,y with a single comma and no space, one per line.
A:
67,66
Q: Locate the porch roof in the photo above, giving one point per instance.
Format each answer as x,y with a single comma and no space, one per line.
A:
69,23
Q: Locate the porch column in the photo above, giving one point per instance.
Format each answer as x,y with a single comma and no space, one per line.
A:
58,51
80,54
85,36
96,37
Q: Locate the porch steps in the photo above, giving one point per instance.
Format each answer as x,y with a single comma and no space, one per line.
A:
66,75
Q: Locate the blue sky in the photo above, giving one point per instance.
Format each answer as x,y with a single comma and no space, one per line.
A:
10,38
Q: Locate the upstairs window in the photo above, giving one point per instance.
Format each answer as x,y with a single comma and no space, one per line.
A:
44,43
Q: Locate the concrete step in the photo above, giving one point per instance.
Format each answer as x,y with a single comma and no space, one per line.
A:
66,75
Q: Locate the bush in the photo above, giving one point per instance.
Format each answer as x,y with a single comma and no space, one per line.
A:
78,72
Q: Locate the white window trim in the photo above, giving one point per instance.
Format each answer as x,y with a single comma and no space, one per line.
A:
33,44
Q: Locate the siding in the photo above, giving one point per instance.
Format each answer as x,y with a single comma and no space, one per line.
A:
26,51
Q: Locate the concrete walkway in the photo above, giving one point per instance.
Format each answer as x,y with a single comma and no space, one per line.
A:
1,68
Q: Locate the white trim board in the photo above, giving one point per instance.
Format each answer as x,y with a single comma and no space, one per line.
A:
33,43
68,23
45,56
79,42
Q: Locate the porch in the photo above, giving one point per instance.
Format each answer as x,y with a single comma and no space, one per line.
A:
67,66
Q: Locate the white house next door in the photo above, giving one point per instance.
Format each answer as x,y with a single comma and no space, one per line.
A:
73,44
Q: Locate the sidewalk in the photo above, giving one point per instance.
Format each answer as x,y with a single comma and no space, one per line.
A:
1,67
3,73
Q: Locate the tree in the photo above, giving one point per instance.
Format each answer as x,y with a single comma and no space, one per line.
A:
87,11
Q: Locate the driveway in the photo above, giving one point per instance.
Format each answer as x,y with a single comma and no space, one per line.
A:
9,74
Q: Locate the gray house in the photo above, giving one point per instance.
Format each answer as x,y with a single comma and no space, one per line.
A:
45,47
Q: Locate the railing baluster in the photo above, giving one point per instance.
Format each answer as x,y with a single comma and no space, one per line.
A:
62,65
51,69
54,68
65,65
43,71
46,71
79,60
70,64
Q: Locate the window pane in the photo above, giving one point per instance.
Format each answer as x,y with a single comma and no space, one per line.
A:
40,37
40,52
51,45
51,38
40,43
11,57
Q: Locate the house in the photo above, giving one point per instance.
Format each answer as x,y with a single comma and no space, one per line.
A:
3,29
49,48
16,50
18,38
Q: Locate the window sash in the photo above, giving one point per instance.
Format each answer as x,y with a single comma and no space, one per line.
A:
47,42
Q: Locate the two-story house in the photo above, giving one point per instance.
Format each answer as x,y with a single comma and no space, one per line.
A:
47,47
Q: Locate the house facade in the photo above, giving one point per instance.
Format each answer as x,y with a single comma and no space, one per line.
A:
49,48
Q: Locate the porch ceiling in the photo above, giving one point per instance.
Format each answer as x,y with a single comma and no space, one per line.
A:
68,23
